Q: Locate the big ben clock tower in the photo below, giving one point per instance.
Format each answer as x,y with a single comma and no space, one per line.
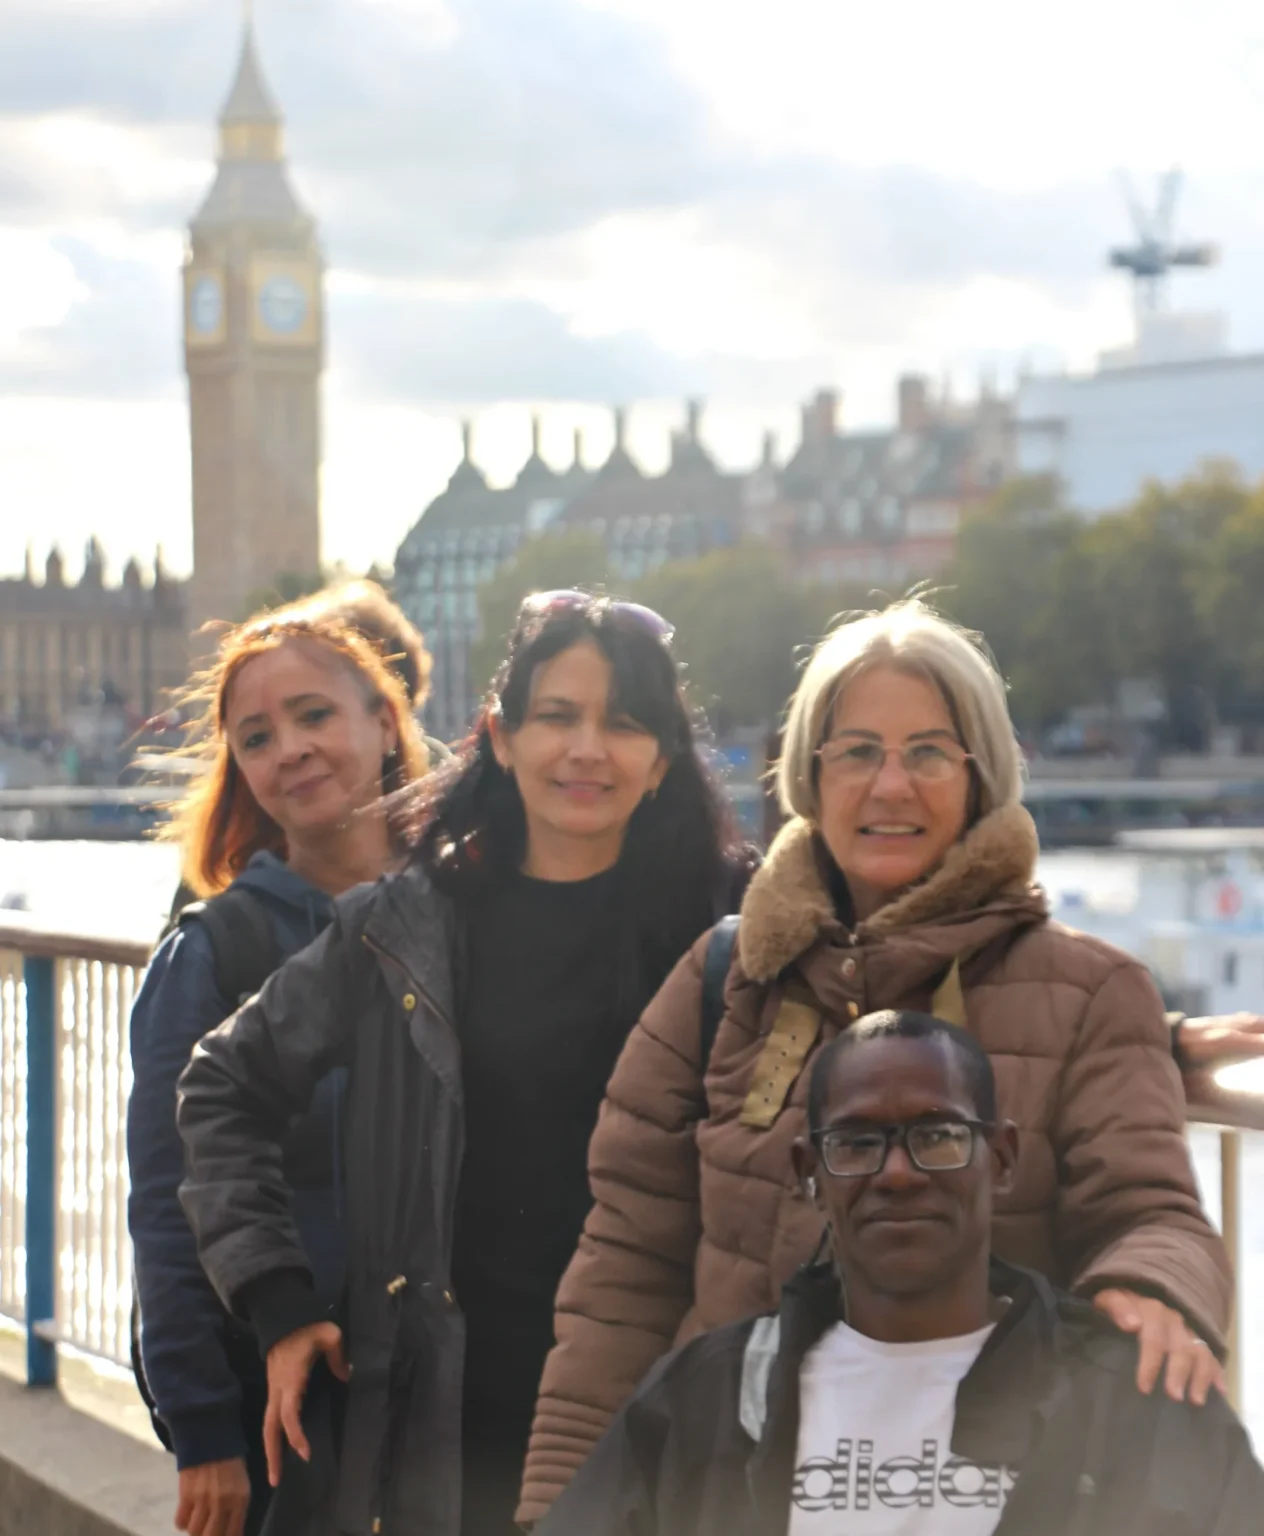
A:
253,347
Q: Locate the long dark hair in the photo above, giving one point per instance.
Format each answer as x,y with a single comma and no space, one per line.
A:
681,862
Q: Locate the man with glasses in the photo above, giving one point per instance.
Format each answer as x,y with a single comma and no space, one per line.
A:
911,1384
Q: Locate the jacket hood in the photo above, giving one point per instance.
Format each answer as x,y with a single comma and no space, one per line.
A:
789,906
298,902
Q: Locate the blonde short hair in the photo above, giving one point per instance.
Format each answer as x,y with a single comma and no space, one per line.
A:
910,637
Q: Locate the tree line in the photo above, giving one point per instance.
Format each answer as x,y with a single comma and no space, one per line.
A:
1167,593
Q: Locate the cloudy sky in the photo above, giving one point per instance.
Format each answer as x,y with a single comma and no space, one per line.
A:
568,203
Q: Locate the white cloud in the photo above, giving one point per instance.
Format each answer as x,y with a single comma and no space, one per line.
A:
39,286
72,468
575,199
1012,95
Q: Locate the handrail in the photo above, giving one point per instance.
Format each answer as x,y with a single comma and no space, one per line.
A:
64,1026
41,938
1221,1098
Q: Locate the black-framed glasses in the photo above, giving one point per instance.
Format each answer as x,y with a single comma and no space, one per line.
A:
931,761
934,1146
539,604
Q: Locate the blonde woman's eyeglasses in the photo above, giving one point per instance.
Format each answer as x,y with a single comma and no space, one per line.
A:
930,761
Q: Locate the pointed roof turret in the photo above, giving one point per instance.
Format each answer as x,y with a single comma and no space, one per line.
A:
620,461
252,187
250,101
467,475
535,471
687,451
578,471
93,564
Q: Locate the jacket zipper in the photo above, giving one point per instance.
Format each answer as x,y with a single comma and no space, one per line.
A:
428,998
401,1281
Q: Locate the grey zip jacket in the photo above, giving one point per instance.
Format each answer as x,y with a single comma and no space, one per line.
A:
375,994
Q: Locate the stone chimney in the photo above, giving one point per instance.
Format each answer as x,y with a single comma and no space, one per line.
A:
820,417
913,403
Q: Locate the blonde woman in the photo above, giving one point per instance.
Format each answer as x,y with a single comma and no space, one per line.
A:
905,880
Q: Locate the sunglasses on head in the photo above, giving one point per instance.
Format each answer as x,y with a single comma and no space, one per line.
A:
541,604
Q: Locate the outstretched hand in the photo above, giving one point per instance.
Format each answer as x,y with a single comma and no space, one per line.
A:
290,1365
1164,1336
1214,1042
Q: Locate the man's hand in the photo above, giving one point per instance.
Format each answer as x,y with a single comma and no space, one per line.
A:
1214,1042
1164,1335
214,1499
289,1366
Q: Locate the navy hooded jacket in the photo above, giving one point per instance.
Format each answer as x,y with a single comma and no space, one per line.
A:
191,1350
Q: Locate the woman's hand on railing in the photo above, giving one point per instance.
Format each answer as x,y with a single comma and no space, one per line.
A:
289,1368
214,1499
1214,1042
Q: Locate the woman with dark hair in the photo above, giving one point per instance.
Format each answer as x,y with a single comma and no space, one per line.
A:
567,857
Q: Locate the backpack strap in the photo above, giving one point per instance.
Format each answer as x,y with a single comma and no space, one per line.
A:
793,1034
715,972
949,1000
243,941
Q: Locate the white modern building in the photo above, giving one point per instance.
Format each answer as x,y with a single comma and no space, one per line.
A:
1152,411
1189,902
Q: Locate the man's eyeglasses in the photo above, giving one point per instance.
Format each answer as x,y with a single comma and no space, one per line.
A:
540,604
932,762
934,1146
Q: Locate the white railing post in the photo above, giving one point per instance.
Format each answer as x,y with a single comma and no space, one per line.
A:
65,1258
1231,1231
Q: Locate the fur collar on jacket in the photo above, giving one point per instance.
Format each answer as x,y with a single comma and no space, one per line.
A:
788,902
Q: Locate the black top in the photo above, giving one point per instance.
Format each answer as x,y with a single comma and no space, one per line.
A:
540,1035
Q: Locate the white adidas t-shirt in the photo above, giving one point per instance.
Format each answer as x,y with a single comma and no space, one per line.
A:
875,1433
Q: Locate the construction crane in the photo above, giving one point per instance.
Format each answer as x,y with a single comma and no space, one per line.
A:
1156,253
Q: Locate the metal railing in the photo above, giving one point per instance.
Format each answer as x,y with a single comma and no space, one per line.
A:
65,1075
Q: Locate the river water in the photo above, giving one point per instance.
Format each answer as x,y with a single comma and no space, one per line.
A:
125,890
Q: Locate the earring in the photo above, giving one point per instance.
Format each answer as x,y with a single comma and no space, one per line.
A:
811,1186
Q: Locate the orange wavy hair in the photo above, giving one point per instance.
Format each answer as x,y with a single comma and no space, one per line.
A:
218,822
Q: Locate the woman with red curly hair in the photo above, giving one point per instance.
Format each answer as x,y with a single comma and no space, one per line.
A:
306,727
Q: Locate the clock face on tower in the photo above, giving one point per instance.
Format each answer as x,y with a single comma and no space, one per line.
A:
282,305
206,306
284,301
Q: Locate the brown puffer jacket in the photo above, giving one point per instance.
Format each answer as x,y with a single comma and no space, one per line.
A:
698,1220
